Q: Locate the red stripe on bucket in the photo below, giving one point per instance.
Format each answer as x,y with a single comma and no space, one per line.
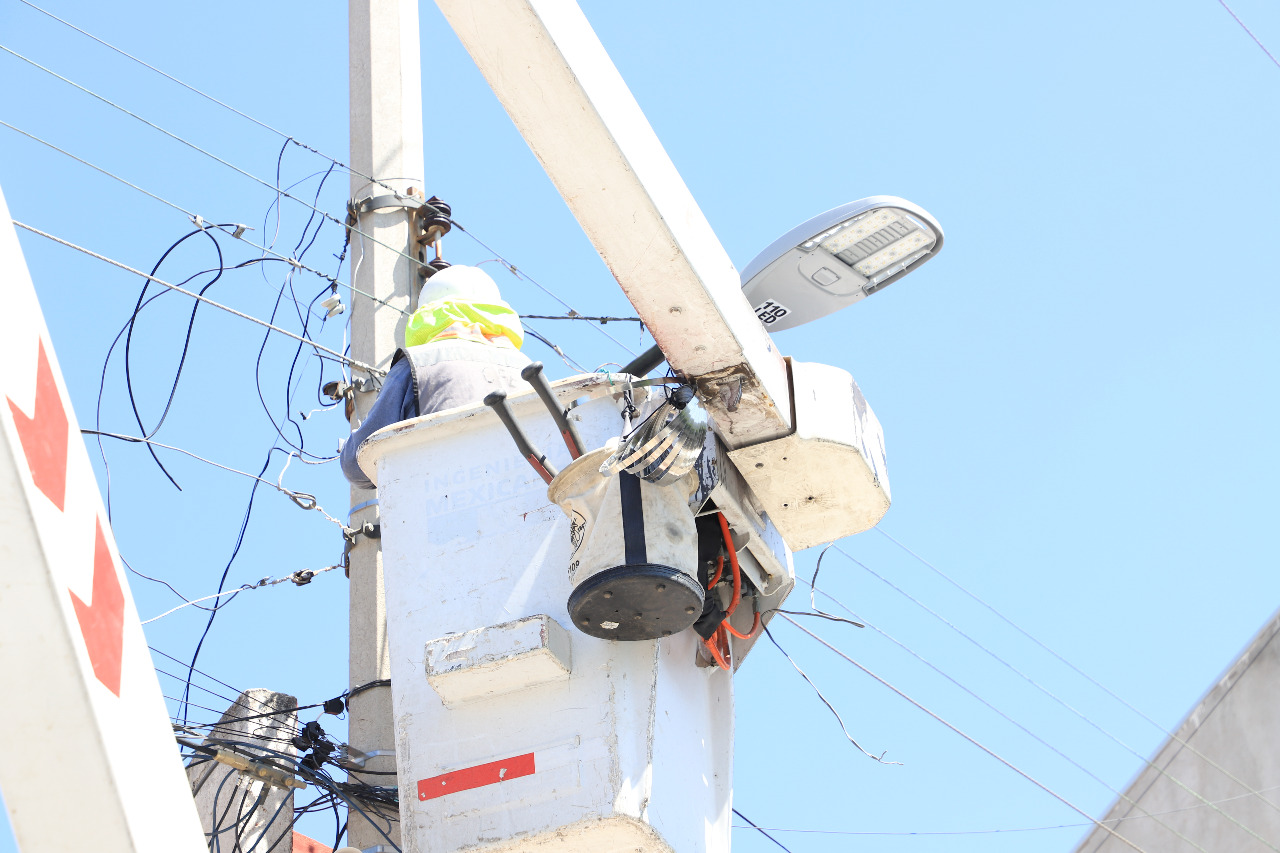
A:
476,777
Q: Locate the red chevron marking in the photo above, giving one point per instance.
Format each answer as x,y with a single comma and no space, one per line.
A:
102,623
44,434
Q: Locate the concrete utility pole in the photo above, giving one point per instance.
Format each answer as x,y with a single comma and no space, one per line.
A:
386,144
265,810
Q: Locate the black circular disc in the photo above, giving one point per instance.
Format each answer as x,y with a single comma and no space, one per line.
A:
643,601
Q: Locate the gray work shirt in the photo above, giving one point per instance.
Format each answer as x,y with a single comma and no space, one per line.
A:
431,378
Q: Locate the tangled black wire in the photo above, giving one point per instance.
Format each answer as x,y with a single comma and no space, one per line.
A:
377,804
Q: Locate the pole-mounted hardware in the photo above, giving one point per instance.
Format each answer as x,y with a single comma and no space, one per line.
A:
355,759
339,390
257,769
432,221
369,530
430,217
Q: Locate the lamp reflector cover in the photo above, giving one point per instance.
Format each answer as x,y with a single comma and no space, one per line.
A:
838,258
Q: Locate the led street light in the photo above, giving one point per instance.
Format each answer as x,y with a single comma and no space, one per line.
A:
838,258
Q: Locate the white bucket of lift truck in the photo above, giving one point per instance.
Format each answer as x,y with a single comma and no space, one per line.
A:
634,565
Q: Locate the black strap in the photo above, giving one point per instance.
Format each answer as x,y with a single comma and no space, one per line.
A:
634,549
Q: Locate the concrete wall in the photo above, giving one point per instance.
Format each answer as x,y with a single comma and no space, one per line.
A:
1227,751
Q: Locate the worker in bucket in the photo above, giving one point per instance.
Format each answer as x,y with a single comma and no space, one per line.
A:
461,343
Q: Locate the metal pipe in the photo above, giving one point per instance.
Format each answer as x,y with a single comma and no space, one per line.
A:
532,373
497,400
645,362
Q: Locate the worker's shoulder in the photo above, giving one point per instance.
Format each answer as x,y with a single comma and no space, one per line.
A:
438,352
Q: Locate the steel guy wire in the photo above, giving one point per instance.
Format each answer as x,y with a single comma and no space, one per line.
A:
1146,761
202,222
351,361
212,156
245,588
1060,798
1121,794
1172,735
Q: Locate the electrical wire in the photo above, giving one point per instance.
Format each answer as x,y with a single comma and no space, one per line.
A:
239,543
414,261
1173,736
350,361
760,830
296,261
566,359
245,588
230,230
255,716
1122,795
276,187
1114,820
222,104
163,583
832,708
215,680
1146,761
1256,41
375,796
128,344
210,691
575,316
303,500
967,737
518,273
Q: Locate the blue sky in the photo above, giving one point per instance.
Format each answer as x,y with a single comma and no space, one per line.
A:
1077,394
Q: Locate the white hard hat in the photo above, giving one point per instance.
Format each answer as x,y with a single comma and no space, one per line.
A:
459,282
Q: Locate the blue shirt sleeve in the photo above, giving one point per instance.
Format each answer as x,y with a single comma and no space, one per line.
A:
396,402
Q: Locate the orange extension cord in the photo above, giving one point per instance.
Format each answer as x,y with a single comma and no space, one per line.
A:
737,588
718,643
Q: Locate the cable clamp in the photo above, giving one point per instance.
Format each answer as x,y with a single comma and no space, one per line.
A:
360,506
267,773
356,209
355,759
369,530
